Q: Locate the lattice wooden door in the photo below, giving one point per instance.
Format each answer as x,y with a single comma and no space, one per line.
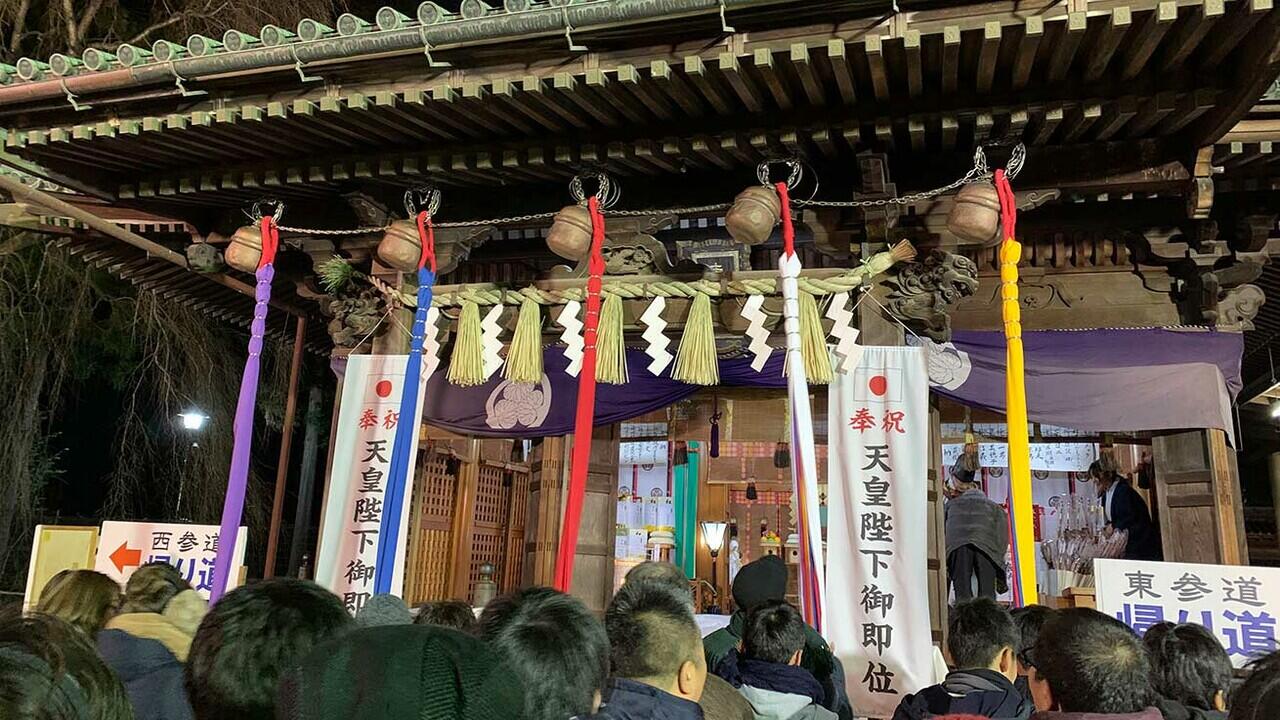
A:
430,531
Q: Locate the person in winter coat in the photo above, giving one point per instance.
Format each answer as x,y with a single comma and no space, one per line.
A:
148,592
765,580
1125,510
983,642
152,676
1190,671
401,672
1090,666
977,534
768,671
720,700
656,652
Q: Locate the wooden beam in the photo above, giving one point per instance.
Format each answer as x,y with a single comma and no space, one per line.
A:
875,62
809,81
1064,51
1033,31
1186,37
763,60
915,73
743,86
1232,31
1108,42
696,70
838,56
950,58
1115,116
1047,124
988,54
1147,38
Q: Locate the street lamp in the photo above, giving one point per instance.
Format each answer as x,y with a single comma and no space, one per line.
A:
713,536
193,421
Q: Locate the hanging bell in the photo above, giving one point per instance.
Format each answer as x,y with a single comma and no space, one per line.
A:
975,216
245,250
400,247
570,235
754,214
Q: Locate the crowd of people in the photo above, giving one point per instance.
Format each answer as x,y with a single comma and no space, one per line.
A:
287,649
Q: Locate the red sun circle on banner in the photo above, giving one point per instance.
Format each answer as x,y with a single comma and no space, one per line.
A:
878,385
383,388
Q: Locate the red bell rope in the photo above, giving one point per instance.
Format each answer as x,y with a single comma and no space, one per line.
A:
427,236
586,409
788,229
270,241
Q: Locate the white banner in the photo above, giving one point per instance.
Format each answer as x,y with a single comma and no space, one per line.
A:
367,419
125,546
1239,605
877,561
1046,457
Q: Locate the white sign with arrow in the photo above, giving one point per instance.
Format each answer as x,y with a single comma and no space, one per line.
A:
123,547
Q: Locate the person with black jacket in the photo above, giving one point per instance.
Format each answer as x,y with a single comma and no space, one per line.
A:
760,582
1125,510
983,643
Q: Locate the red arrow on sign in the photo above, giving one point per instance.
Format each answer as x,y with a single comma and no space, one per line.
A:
124,557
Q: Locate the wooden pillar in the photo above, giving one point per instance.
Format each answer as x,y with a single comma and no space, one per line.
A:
593,563
542,527
464,511
874,326
1201,514
937,567
286,444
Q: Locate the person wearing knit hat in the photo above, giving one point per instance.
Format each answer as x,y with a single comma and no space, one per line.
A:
381,610
392,673
762,581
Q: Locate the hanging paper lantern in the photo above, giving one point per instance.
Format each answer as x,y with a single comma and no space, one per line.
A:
570,235
975,216
753,216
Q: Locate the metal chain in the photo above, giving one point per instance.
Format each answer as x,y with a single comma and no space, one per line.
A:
978,173
695,210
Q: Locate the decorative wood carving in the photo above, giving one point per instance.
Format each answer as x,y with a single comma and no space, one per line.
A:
1239,306
922,292
630,247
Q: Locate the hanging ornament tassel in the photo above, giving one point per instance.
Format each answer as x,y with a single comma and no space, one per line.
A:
242,429
466,366
817,361
611,353
696,361
391,552
804,465
524,358
585,412
1021,516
